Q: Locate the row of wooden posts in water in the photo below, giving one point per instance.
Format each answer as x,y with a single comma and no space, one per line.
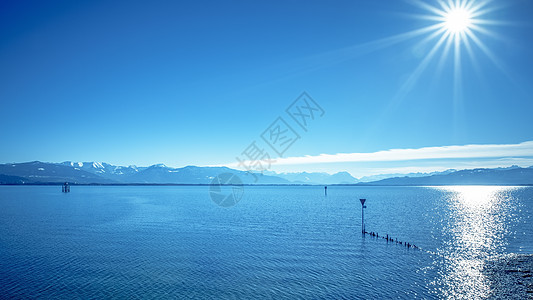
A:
392,240
375,234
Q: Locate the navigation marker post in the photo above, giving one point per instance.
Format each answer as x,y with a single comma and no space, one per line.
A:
363,206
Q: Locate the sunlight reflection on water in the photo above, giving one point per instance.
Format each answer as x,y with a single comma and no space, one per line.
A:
473,233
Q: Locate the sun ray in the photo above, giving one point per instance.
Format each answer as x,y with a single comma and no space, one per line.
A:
445,6
494,22
427,17
489,33
482,10
430,37
470,53
347,53
500,65
441,62
457,75
411,80
457,82
469,5
477,5
444,55
428,7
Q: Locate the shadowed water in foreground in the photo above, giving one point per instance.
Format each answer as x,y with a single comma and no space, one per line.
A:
167,242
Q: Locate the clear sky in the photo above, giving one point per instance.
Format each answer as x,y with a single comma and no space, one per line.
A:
196,82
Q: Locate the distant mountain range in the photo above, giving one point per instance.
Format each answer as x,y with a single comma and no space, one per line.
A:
372,178
103,173
504,176
315,178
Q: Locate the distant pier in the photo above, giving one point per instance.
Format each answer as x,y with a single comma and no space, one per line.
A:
65,188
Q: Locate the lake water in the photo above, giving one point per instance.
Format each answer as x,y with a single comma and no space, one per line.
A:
277,242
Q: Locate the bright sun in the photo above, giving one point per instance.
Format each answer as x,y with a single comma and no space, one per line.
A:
457,27
457,20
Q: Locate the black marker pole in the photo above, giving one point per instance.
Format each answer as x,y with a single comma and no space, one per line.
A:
363,215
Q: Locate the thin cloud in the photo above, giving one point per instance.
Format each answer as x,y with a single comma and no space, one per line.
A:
524,149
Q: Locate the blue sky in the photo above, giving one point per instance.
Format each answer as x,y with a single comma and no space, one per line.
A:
195,83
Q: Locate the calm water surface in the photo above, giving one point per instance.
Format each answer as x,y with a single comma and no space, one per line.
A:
277,242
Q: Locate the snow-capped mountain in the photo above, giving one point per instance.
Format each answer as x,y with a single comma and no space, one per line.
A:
104,173
36,171
105,170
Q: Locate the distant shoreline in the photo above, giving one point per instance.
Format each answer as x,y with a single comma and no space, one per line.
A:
252,184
